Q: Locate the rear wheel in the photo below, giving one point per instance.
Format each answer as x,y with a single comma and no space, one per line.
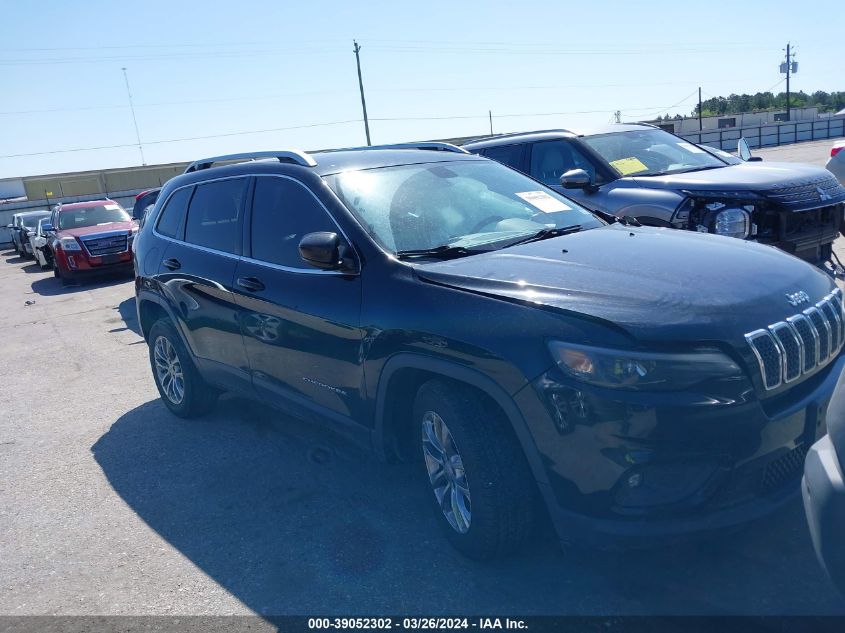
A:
481,487
179,383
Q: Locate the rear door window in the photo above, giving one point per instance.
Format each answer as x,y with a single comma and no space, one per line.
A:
284,210
214,215
510,155
172,218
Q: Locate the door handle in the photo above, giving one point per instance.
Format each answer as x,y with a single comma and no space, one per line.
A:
172,264
250,283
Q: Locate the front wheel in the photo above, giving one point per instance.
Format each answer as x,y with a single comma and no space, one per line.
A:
482,490
179,383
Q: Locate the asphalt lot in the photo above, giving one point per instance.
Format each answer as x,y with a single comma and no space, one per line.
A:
813,152
110,505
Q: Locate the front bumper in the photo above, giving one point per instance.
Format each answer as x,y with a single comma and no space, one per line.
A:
79,263
627,469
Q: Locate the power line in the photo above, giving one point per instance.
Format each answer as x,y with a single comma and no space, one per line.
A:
180,140
464,88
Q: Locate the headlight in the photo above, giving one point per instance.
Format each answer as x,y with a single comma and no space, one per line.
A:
732,223
69,244
620,369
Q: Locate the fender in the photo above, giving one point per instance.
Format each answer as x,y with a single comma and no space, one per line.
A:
461,373
143,295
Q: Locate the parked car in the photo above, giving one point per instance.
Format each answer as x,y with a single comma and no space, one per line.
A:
143,202
661,179
836,162
436,305
824,493
89,238
28,223
38,245
14,227
20,222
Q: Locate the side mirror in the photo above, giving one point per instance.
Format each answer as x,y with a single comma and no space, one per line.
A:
576,179
46,228
323,250
745,152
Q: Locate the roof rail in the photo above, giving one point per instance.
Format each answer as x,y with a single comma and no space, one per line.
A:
431,145
284,156
490,137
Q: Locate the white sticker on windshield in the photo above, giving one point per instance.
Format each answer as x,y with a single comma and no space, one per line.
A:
543,201
111,207
691,148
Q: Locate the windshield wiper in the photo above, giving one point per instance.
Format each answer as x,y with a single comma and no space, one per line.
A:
442,252
544,234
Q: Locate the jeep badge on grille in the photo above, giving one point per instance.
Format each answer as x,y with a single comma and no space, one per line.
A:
797,298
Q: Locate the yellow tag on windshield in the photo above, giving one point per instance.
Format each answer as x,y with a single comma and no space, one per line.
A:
627,166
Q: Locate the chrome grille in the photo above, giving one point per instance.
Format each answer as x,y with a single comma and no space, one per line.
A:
98,245
800,344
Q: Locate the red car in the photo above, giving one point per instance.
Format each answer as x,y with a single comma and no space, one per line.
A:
91,237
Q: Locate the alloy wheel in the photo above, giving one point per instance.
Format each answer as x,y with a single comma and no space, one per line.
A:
168,370
446,472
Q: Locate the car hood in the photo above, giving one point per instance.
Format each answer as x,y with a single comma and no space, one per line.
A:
743,177
98,228
656,284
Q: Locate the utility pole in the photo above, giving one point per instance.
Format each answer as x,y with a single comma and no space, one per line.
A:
356,50
788,67
134,120
490,114
700,125
788,73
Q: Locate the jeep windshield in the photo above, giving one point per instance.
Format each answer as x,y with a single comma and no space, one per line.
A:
651,153
454,208
92,216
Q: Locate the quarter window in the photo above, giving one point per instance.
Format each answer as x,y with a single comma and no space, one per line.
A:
173,214
282,212
214,214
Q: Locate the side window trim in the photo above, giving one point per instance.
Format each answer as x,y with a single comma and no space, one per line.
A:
181,238
247,233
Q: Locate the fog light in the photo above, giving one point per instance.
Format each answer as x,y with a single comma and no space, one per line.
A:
71,261
635,480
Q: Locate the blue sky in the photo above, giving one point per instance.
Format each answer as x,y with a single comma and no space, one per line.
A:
431,70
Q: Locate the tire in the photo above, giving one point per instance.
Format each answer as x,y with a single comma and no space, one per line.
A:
66,277
197,397
502,494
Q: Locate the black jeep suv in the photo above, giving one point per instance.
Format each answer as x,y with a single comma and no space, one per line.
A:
661,179
439,306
